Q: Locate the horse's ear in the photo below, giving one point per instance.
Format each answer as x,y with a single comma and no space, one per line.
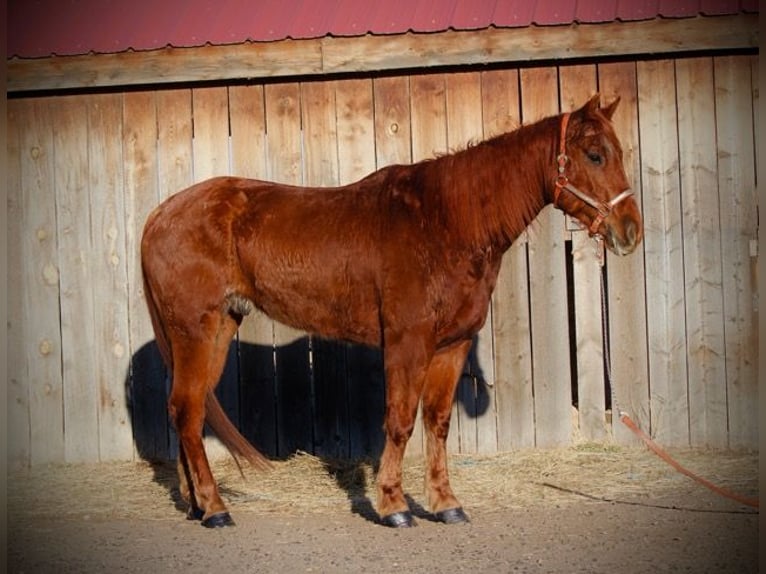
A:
608,111
592,106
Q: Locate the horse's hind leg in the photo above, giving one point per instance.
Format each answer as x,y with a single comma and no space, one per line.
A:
438,395
197,365
193,512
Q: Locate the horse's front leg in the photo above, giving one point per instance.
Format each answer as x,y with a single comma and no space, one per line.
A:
406,359
438,395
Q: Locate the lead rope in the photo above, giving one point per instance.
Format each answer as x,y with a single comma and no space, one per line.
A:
628,422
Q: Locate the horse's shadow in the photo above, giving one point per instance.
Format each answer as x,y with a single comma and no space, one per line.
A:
321,397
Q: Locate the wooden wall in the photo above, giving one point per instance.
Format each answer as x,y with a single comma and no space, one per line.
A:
85,379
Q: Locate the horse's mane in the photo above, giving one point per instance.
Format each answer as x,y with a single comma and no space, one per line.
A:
490,191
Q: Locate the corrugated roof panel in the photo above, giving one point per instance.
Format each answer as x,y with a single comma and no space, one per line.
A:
394,17
678,8
715,7
351,17
473,15
196,25
628,10
514,13
266,20
19,23
308,22
43,27
433,15
100,38
558,12
596,10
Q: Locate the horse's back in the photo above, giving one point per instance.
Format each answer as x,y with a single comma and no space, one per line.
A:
309,258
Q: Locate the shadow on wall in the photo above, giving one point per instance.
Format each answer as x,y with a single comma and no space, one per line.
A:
322,397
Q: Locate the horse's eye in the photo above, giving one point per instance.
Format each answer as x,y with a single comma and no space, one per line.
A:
595,157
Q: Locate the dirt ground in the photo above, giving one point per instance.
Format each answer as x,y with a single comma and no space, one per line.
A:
585,509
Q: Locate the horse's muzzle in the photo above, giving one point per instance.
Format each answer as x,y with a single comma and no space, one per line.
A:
624,238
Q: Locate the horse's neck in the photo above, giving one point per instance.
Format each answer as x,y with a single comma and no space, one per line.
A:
494,190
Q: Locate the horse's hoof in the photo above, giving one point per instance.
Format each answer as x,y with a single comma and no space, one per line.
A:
399,520
194,513
452,516
218,520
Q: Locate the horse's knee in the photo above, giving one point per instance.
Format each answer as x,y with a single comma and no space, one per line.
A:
399,429
437,423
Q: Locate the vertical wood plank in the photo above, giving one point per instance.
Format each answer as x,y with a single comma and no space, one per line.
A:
258,421
356,130
393,138
739,227
515,415
41,284
759,164
578,83
248,131
110,283
18,421
548,289
294,385
500,102
355,114
464,127
429,137
70,116
513,352
174,141
755,90
210,158
480,364
147,384
428,116
663,249
320,134
702,252
210,147
176,171
625,275
331,415
393,145
284,158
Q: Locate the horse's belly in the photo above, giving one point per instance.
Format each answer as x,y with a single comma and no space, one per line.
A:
348,314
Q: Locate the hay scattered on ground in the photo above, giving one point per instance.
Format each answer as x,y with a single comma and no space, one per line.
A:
307,484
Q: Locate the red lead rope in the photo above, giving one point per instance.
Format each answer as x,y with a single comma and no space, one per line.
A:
628,422
653,446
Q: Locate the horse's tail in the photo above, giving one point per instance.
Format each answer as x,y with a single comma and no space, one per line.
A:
159,328
228,434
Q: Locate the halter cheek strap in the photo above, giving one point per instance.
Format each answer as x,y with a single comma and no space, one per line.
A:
603,208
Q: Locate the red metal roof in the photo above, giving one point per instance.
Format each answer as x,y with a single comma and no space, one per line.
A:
39,28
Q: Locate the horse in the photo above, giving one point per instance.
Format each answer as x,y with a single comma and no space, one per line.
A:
405,259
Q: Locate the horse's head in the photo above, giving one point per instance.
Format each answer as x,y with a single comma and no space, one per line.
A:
591,184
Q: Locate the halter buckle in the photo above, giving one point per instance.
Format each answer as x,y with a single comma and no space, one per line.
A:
603,208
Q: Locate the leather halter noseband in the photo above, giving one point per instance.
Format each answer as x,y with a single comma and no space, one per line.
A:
603,208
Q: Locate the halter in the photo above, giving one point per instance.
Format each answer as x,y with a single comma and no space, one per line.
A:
603,208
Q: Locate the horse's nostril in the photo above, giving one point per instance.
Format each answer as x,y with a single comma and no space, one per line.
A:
631,231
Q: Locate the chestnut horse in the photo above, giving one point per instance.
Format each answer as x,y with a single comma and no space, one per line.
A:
405,259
